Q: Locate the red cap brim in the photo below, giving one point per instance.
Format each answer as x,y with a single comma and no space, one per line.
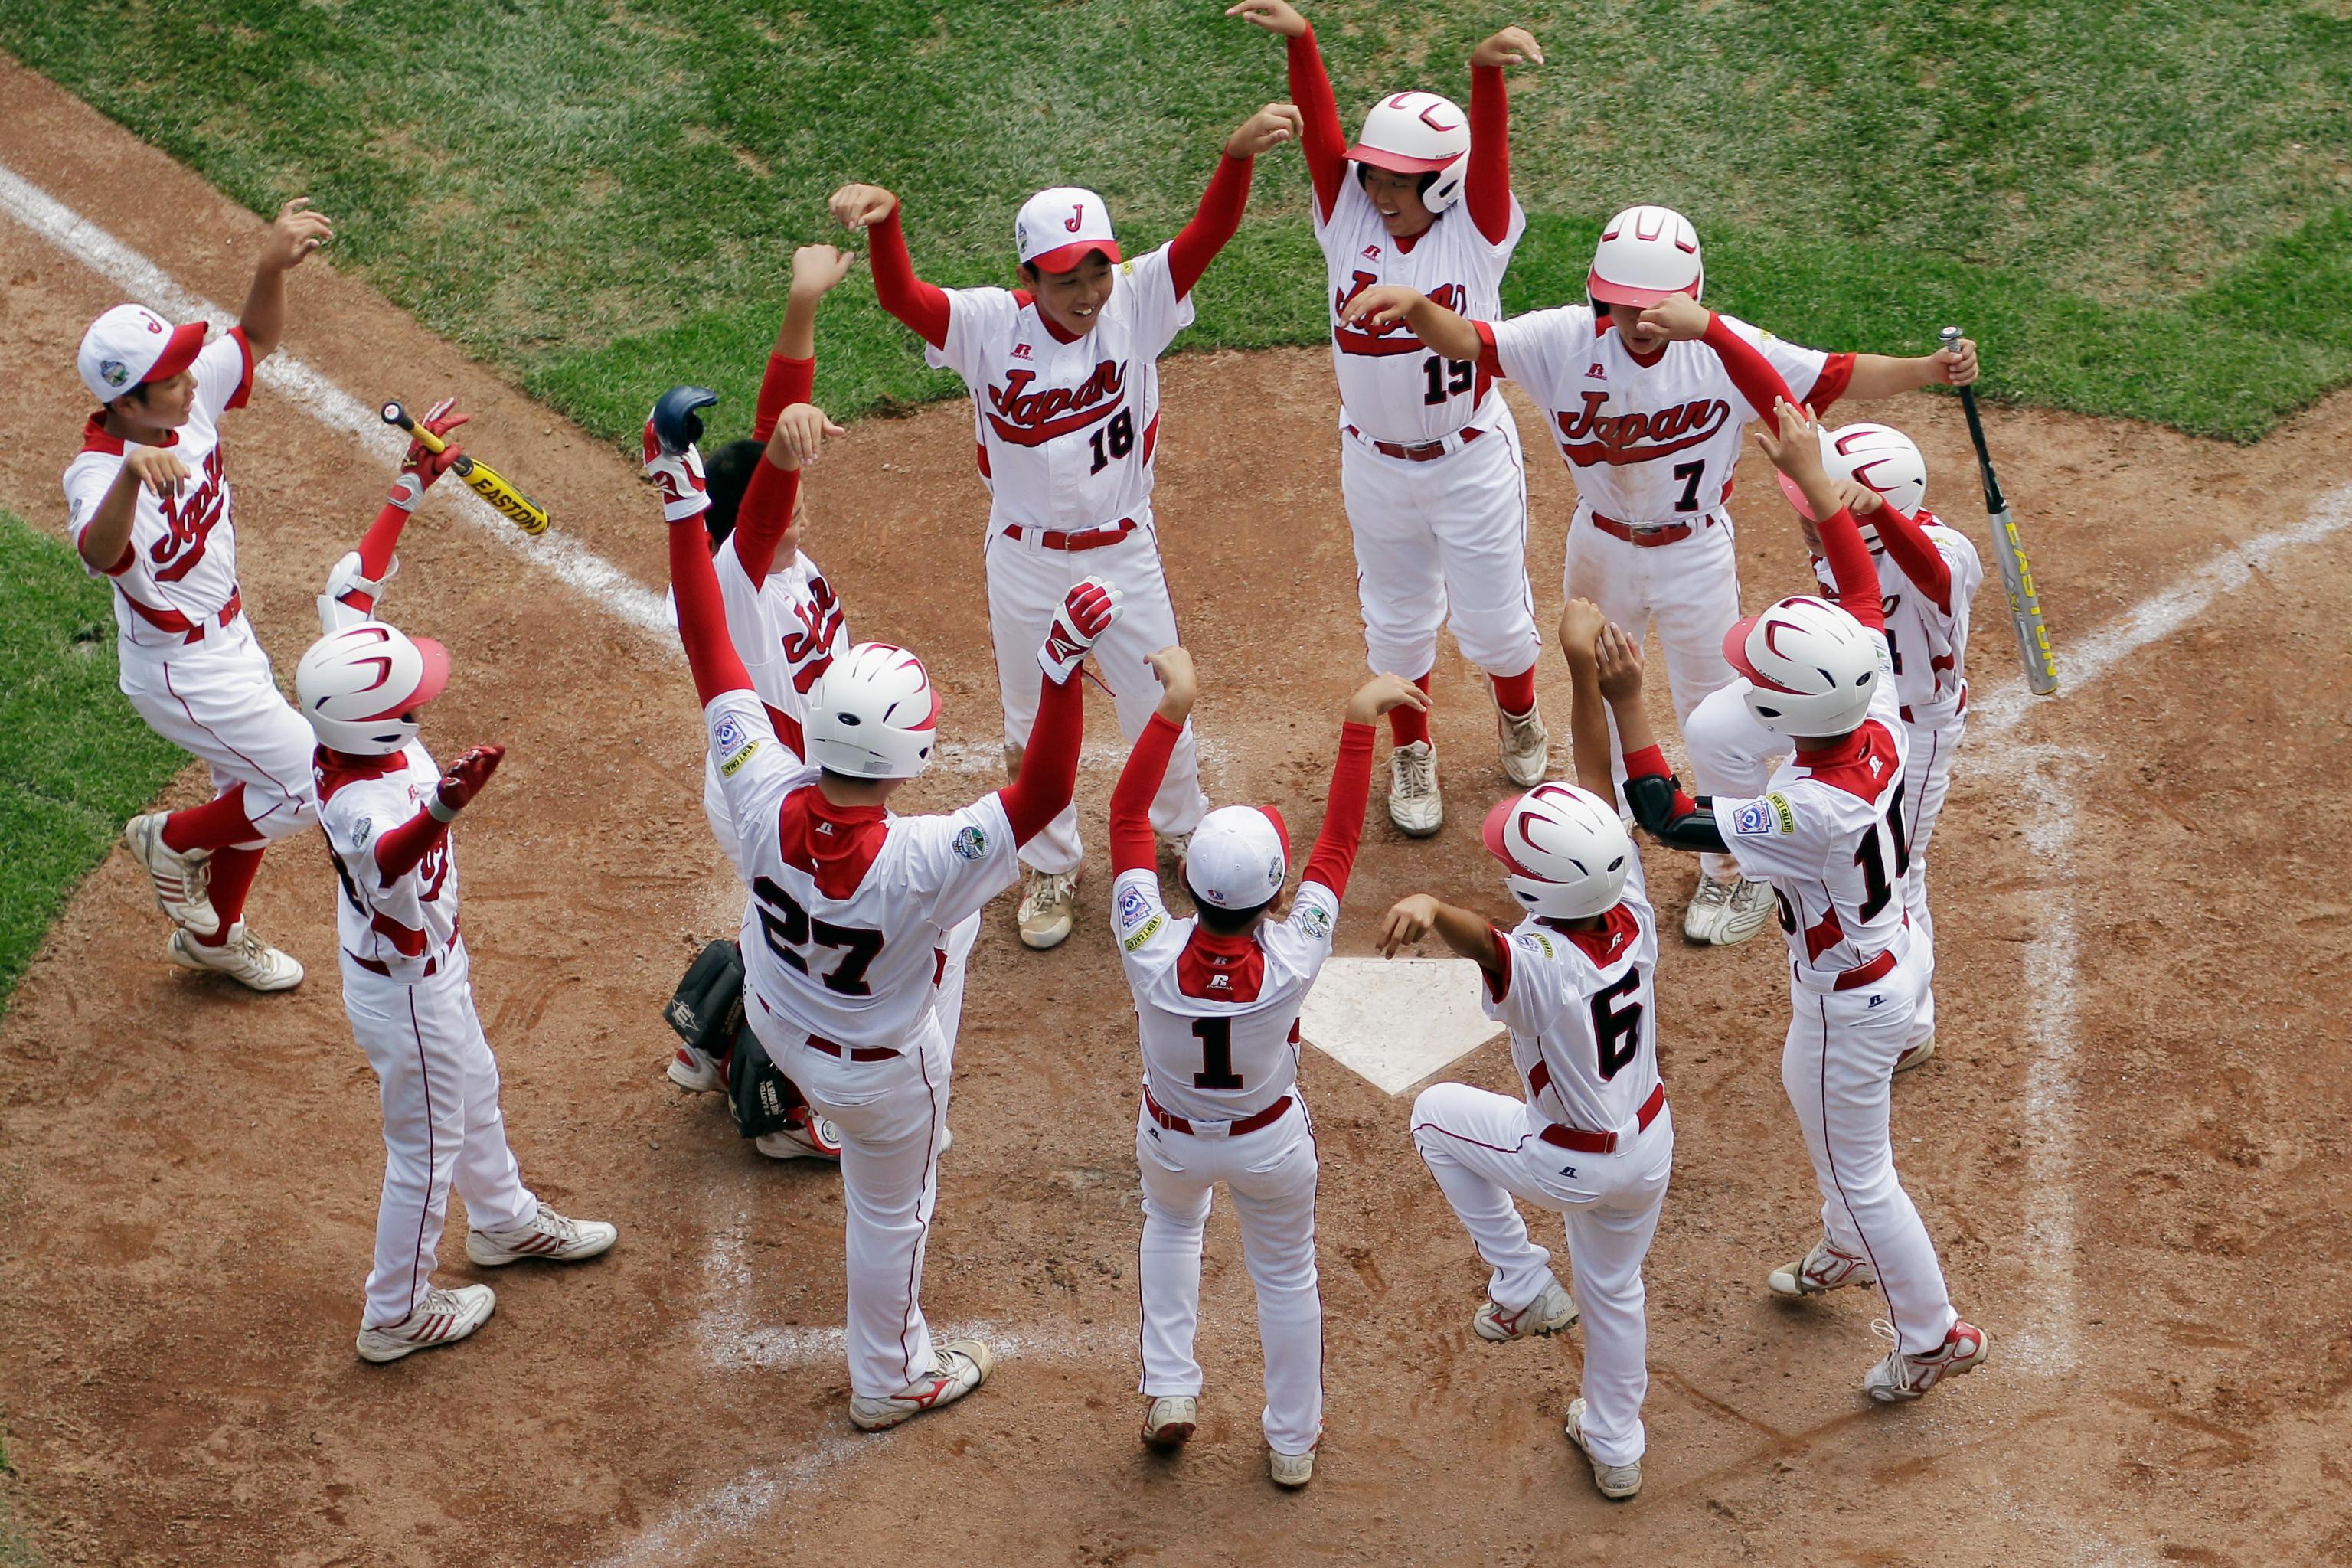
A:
1067,257
186,343
1396,163
1490,832
1796,495
1609,293
1735,649
436,677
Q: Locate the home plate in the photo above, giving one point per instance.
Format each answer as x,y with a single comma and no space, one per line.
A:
1396,1020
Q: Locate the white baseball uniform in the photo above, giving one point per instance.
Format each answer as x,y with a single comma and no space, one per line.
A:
1831,836
1591,1141
1440,527
1928,642
408,992
1652,448
847,942
1066,430
190,663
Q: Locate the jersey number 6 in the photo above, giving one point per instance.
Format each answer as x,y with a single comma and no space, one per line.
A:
791,931
1617,1030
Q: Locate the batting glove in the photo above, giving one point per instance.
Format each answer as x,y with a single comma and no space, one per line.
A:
420,468
464,780
679,477
1084,615
334,616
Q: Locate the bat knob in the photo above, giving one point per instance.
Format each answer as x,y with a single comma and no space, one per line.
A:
1951,336
393,413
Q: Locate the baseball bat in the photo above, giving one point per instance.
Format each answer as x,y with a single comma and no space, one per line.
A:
2009,551
480,478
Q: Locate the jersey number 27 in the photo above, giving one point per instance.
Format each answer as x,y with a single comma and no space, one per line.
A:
790,933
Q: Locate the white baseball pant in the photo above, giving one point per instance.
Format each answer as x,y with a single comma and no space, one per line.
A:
442,1126
1026,584
1838,1068
1443,542
890,1114
1692,588
1484,1150
218,701
1271,1173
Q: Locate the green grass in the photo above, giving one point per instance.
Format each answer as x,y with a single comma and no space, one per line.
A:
2141,209
75,762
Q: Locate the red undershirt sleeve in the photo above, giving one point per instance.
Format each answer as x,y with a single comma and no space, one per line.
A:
1915,554
1489,360
702,615
1325,144
765,512
1650,762
1219,216
398,851
922,306
1132,845
1849,565
1831,385
1487,191
1049,767
376,546
788,381
1750,371
1333,858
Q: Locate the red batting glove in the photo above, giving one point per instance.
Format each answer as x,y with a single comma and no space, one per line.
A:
464,780
420,468
1084,615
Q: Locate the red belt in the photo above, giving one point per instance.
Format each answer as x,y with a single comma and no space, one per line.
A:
1423,452
1175,1124
1606,1142
1641,538
1867,972
173,621
1085,538
853,1053
432,965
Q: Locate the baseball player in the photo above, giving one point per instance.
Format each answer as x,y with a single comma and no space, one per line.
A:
1592,1139
844,937
387,809
1429,464
1649,424
1217,998
1065,381
149,506
1828,835
1927,577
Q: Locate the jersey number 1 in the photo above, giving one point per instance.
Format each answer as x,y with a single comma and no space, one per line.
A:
1216,1037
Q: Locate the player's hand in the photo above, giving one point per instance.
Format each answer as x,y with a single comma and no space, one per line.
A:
1263,131
800,435
1179,685
419,468
1957,365
1678,318
1384,304
1409,920
1619,658
1382,694
816,269
1511,46
1858,499
678,477
465,778
1084,614
1792,440
862,206
296,233
160,468
1272,14
1580,626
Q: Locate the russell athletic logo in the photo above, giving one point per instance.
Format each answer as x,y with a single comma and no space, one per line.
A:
1025,418
1588,436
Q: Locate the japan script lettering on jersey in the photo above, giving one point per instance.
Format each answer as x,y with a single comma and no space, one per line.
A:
1588,436
189,521
1026,418
1396,338
808,640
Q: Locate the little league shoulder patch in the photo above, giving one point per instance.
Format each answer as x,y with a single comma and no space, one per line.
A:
1132,906
728,734
728,768
970,843
1316,921
1144,932
1765,814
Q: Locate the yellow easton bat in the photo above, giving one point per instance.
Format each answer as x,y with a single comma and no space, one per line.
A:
480,478
2009,553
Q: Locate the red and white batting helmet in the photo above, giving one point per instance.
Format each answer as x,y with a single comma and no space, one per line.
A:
1877,456
361,687
1418,134
1565,853
1809,666
1238,858
1645,254
874,715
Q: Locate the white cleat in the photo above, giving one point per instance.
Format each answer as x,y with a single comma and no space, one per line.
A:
443,1318
183,882
244,958
1169,1423
1548,1314
696,1071
1709,902
1049,909
815,1138
1291,1470
1819,1271
1751,904
1415,805
1617,1482
961,1365
1914,1055
548,1236
1527,747
1900,1376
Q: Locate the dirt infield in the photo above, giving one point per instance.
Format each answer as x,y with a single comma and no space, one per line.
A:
2135,1185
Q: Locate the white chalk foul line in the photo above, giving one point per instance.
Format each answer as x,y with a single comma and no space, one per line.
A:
563,557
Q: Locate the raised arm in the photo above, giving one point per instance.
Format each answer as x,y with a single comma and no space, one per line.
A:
1221,205
675,466
922,306
1133,845
1487,191
1907,545
766,511
791,375
1049,764
1683,319
1320,136
1796,450
1333,858
398,851
1431,322
296,233
357,582
1654,795
1580,626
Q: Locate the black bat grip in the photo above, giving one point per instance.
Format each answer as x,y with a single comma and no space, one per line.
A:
1995,502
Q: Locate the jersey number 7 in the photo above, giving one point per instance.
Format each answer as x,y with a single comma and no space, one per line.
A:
790,932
